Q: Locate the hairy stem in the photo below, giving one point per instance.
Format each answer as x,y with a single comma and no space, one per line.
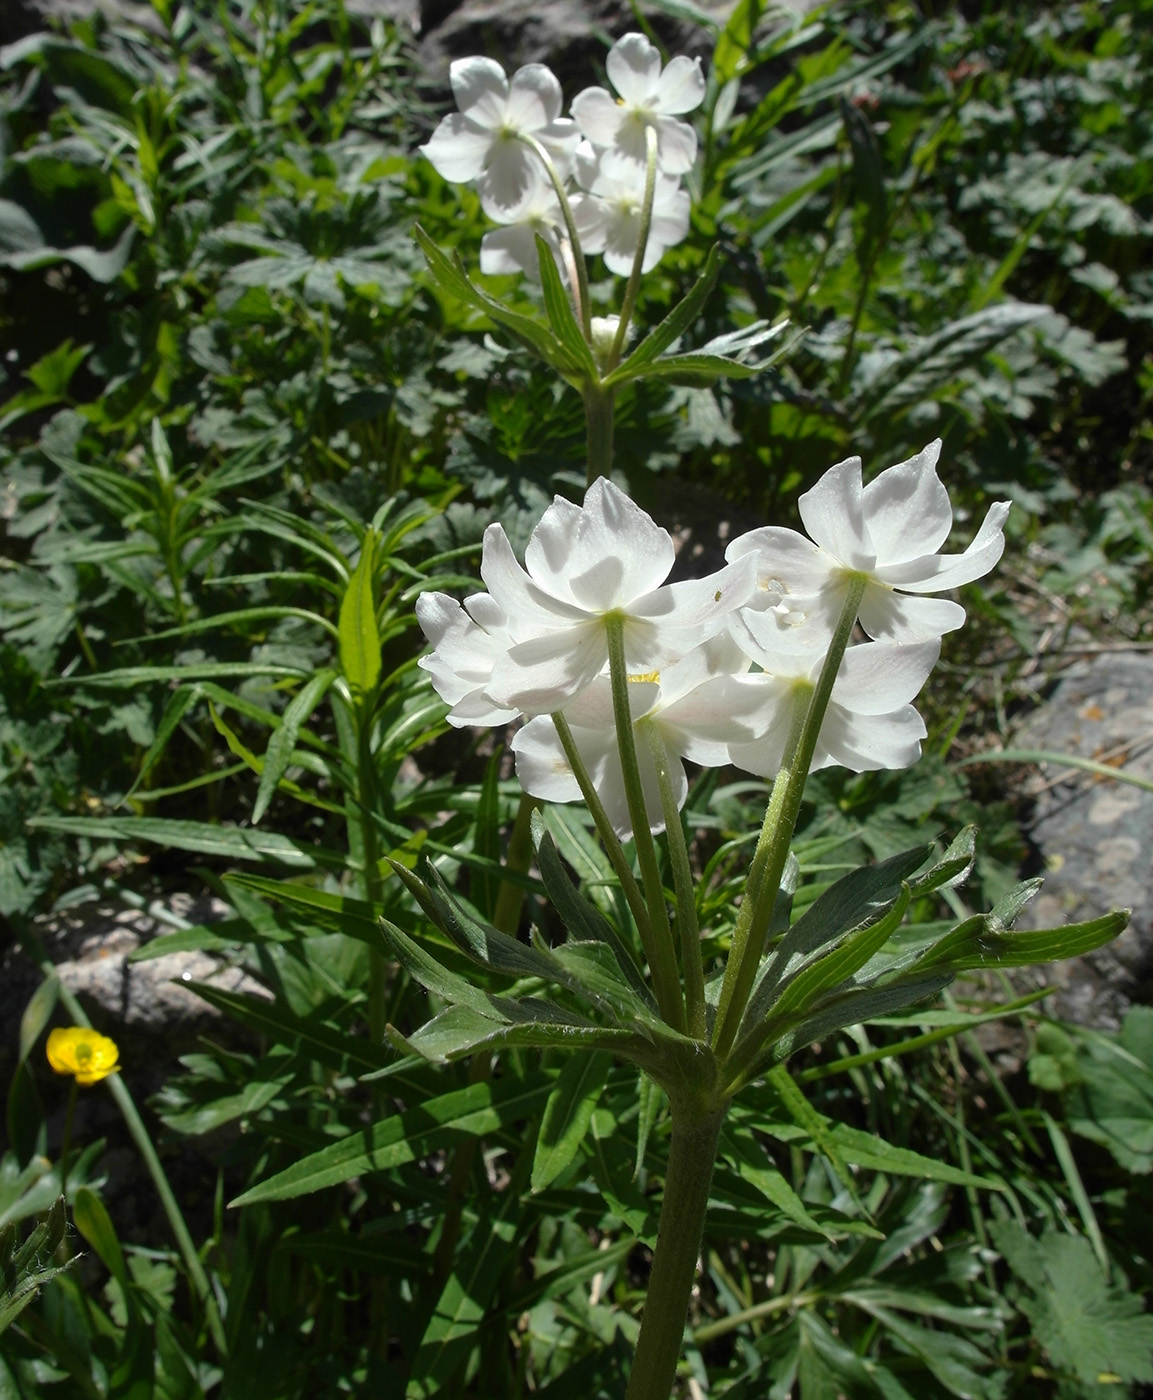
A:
692,1151
777,833
666,983
633,288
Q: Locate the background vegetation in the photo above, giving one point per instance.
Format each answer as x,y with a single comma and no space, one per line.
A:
234,408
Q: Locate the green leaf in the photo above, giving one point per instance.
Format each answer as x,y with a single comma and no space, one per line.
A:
91,1218
984,942
1089,1327
583,921
225,842
466,1299
178,705
862,894
867,1150
560,311
753,1167
278,756
355,917
833,968
567,1115
484,1108
310,1036
683,316
22,1272
359,635
868,176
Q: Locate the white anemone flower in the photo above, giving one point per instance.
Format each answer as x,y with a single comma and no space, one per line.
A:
891,530
481,141
608,214
870,722
513,248
466,643
584,564
648,98
691,725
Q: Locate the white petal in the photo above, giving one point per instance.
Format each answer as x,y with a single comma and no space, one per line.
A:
953,570
879,677
681,87
545,673
833,515
510,250
458,148
590,215
602,555
676,145
864,743
671,224
763,757
907,509
699,606
530,610
727,710
597,115
896,617
477,711
593,707
481,89
534,97
541,765
510,177
634,67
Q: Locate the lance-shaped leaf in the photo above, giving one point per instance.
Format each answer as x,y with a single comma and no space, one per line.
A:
859,896
488,1107
953,868
480,942
278,755
451,276
227,842
992,945
583,920
22,1274
567,1115
801,990
754,1167
359,635
355,917
560,312
460,1031
698,368
678,321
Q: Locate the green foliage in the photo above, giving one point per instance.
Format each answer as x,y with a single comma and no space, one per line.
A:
245,424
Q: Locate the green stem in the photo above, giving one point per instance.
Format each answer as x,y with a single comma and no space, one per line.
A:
66,1146
692,967
584,310
139,1132
692,1151
599,403
777,832
633,288
666,983
366,778
609,839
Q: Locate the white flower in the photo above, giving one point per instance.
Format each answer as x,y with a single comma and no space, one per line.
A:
669,700
890,530
648,97
480,142
608,214
870,722
466,644
513,248
582,564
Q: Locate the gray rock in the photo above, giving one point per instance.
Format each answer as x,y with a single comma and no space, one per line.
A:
1095,834
142,1005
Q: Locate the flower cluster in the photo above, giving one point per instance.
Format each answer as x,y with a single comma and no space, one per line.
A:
510,138
719,667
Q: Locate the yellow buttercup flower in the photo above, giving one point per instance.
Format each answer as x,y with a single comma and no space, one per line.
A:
83,1053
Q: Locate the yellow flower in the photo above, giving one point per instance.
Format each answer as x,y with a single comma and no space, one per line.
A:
84,1053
